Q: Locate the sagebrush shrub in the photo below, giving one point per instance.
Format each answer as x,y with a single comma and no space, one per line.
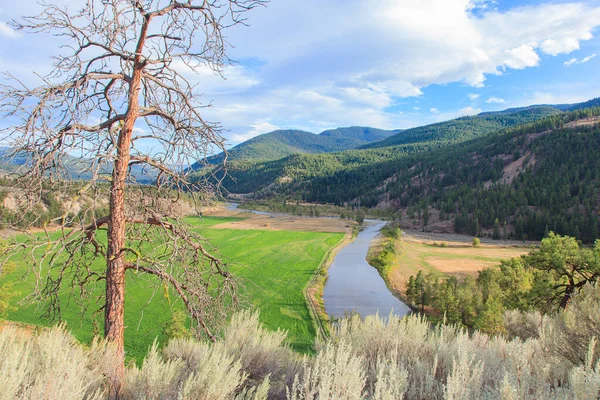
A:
370,358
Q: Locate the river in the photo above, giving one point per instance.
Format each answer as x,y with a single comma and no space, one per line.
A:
352,284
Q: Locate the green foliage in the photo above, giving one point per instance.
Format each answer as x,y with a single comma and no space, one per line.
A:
360,217
6,289
294,208
386,257
392,230
176,328
476,242
564,267
6,294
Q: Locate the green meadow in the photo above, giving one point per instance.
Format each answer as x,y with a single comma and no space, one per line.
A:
272,267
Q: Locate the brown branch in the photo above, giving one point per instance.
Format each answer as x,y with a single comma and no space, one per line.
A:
181,291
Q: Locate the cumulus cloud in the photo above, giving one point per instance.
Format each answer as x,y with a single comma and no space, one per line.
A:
575,61
372,96
434,110
363,58
469,111
521,57
352,63
495,100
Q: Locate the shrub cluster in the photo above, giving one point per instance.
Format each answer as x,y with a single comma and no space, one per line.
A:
375,358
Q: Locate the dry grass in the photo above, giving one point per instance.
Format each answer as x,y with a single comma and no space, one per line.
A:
459,267
455,259
279,223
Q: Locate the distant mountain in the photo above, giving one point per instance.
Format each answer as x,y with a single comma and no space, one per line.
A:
77,168
466,128
282,143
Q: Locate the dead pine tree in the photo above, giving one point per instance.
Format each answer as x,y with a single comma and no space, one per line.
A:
117,108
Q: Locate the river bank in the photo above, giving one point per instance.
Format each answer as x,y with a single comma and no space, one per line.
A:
345,282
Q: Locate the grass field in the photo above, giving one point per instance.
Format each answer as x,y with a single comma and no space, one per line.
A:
273,268
456,260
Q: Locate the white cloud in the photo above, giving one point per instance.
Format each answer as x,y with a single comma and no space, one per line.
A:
369,55
434,110
347,63
372,96
574,60
259,128
417,108
568,63
495,100
398,51
233,77
469,111
521,57
7,31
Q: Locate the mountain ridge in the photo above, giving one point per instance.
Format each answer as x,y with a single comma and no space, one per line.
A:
285,142
282,143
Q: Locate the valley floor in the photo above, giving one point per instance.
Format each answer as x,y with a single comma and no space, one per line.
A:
275,259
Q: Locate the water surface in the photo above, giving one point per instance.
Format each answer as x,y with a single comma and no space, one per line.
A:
354,285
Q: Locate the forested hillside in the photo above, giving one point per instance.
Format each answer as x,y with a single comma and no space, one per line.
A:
466,128
282,143
520,183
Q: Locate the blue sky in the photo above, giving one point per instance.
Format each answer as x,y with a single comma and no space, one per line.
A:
320,64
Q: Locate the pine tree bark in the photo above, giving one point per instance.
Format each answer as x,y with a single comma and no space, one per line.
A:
114,325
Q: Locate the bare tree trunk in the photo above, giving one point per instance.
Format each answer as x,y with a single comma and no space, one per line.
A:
114,326
115,264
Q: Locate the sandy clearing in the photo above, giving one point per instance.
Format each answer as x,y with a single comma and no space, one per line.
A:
512,170
458,240
459,267
279,223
